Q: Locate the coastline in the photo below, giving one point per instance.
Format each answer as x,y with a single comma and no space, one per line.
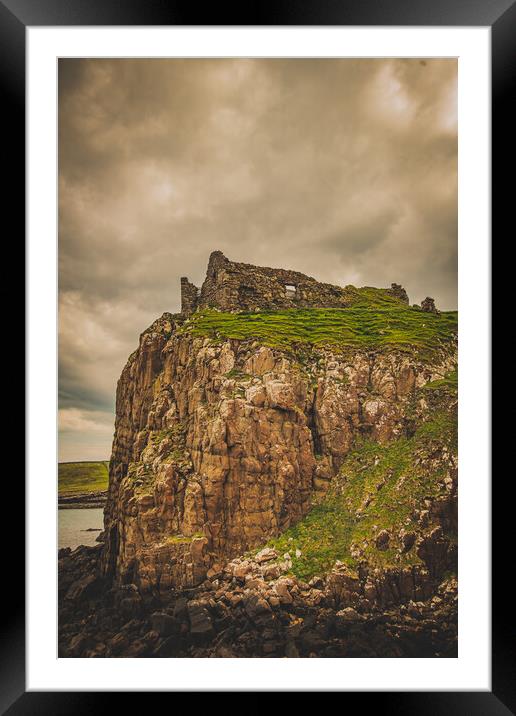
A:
87,500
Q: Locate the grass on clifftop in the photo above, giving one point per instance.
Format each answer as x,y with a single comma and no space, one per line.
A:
82,477
378,488
365,324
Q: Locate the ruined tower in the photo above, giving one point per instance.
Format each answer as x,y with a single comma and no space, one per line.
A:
189,296
232,286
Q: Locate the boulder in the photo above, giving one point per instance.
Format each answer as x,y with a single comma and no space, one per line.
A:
382,540
164,624
84,587
428,305
265,555
256,606
200,620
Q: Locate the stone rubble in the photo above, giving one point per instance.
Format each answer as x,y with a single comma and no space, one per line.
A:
245,609
428,305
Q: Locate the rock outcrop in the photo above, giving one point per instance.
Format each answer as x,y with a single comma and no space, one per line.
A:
428,305
289,496
220,446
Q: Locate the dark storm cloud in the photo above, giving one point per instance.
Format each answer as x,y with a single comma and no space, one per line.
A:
343,169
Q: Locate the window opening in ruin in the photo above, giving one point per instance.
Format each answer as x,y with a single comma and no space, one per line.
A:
290,290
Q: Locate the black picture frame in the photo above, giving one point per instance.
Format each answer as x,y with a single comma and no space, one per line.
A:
15,17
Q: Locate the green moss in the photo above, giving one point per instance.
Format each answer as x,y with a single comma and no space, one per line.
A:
379,487
371,297
237,374
449,383
183,539
142,475
322,537
82,477
142,480
175,433
368,324
176,450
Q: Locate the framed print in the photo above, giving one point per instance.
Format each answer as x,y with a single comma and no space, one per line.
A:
258,430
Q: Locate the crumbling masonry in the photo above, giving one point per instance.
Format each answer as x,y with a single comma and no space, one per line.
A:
231,286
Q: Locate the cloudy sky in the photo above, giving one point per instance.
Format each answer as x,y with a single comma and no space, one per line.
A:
342,169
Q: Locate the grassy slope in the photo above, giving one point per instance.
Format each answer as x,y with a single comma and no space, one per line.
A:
82,477
373,320
378,488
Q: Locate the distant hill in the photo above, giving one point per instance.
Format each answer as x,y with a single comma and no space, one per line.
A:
82,477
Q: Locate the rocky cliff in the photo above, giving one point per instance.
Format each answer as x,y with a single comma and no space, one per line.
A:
223,443
282,483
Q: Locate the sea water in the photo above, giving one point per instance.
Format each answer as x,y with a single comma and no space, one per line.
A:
75,526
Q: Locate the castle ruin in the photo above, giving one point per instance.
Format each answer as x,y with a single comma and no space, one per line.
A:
231,286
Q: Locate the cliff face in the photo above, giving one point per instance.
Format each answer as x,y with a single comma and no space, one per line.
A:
222,443
283,480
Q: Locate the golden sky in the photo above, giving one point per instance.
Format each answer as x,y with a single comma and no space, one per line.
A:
343,169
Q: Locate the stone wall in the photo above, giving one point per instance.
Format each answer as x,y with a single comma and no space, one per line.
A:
232,286
428,305
189,296
399,292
